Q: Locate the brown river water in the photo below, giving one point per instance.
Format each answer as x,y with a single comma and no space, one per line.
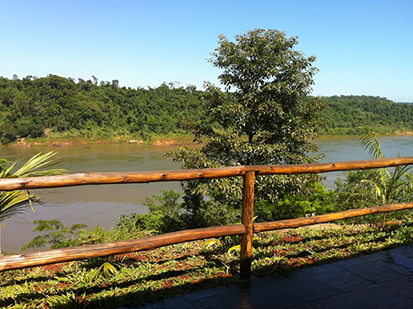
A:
104,204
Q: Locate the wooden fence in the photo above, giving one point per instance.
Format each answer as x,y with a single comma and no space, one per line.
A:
246,229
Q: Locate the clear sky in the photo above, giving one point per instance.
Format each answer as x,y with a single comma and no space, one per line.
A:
363,47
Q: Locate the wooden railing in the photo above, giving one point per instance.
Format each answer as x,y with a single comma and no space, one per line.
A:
246,229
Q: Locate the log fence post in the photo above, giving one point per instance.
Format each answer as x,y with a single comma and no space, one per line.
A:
247,221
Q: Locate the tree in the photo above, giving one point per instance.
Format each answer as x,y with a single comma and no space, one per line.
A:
261,118
15,202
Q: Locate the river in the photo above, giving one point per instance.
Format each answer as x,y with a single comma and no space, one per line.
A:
104,204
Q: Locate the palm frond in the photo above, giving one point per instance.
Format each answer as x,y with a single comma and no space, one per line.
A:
370,142
30,168
14,202
395,182
392,181
5,173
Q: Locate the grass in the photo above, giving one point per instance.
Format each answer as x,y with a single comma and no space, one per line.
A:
147,276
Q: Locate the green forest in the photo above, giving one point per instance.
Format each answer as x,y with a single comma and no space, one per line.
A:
61,107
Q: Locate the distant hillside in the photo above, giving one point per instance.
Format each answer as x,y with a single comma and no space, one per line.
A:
347,114
61,107
30,107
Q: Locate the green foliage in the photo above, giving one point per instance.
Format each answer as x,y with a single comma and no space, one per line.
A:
3,164
14,202
370,142
392,183
57,236
168,214
263,120
99,235
369,188
352,191
321,201
351,114
55,106
31,167
165,214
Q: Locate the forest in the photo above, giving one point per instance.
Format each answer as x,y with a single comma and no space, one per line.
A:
33,107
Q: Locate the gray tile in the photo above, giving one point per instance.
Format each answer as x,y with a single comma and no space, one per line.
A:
265,293
213,292
320,269
374,273
303,306
403,287
405,250
341,301
394,265
401,260
381,298
306,287
228,301
220,297
167,303
343,280
374,257
350,263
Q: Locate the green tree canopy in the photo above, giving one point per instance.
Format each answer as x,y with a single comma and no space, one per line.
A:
259,119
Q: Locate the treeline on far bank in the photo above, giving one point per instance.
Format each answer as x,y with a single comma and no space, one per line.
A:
59,107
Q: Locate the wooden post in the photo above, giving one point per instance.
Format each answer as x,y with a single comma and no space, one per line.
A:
247,221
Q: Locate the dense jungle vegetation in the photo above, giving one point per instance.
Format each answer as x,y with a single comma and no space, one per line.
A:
59,107
349,114
32,107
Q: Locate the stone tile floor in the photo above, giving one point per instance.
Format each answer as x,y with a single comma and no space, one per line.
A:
380,280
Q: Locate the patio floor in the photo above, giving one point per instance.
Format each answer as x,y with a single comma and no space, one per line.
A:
380,280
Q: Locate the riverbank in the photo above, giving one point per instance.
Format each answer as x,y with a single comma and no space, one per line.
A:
164,140
156,140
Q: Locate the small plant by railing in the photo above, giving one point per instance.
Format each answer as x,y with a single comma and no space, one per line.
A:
246,229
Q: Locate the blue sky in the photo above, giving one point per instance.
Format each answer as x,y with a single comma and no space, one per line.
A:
363,47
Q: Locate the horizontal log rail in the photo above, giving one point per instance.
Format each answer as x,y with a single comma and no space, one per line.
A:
352,213
247,228
10,262
181,175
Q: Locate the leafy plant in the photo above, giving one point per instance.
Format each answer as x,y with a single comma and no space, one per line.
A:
99,235
375,187
14,202
57,236
165,214
321,201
